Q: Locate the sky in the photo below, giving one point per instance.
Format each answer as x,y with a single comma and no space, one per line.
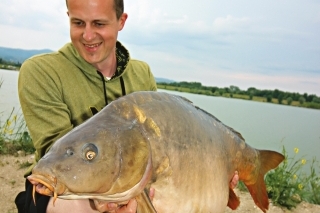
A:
246,43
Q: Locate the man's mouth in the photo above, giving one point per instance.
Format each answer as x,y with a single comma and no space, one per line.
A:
92,45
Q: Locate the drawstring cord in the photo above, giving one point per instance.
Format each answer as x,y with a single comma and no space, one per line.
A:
104,87
123,88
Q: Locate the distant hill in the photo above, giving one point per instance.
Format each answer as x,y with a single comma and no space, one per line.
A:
163,80
19,55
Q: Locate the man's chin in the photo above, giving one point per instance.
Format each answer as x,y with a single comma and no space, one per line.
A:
91,58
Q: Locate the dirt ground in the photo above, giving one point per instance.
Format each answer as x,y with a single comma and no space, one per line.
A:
12,182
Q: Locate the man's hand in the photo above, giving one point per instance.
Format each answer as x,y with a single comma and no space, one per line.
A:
234,181
130,207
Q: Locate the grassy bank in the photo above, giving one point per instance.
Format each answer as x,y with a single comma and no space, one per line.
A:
14,135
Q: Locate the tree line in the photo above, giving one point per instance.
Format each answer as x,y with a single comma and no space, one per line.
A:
11,65
274,96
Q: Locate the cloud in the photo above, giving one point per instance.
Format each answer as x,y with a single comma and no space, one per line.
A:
37,15
230,24
33,24
24,38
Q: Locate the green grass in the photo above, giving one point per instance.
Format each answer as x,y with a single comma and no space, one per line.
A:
14,135
289,184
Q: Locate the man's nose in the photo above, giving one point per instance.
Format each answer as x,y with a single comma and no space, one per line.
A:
89,33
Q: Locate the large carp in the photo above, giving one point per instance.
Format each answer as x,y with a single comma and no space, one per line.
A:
158,140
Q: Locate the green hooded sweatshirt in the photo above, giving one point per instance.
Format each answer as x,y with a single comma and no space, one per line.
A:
60,90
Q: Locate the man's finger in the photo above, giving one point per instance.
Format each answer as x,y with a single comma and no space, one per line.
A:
151,193
235,180
131,207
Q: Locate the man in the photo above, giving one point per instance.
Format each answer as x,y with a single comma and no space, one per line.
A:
60,90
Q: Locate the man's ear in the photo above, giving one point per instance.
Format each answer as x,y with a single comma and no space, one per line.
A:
122,20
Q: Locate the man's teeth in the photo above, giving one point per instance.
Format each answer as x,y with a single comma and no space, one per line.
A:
91,45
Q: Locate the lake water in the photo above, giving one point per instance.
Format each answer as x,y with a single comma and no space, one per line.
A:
263,125
9,92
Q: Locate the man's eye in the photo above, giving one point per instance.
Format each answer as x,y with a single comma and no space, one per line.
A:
99,24
78,23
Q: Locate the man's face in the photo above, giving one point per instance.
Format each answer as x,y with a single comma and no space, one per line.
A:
94,28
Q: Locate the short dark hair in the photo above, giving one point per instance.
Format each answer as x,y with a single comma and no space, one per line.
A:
117,5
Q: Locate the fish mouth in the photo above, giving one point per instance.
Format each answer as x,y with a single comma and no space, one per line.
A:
46,186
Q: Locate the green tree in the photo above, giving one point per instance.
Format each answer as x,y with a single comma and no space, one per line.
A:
214,89
302,100
280,99
289,100
316,99
234,89
250,96
221,92
275,93
251,91
269,98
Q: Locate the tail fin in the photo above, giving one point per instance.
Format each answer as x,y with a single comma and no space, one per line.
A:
269,160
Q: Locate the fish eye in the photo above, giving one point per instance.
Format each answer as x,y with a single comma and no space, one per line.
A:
90,155
89,151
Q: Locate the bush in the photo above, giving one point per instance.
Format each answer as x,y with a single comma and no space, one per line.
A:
316,100
302,100
14,135
283,183
288,185
269,98
280,99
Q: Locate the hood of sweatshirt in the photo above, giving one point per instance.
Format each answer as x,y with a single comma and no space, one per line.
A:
74,57
122,56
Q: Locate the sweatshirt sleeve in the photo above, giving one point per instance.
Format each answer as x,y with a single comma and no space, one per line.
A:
153,84
46,116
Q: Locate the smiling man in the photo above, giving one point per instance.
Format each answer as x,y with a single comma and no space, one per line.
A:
60,90
94,27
